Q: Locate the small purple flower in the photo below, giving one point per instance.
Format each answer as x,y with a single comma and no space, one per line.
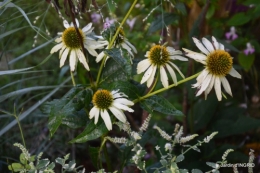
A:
232,34
249,49
131,23
95,17
108,22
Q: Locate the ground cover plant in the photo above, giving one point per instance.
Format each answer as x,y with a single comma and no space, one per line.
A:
129,86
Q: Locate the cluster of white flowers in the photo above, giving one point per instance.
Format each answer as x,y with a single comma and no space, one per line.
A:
208,138
163,133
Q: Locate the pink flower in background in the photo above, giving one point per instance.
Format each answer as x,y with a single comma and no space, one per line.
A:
231,35
95,17
131,23
249,49
108,22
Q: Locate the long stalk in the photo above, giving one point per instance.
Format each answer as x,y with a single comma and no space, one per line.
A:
113,39
164,89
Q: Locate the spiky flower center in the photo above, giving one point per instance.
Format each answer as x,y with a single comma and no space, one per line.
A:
219,63
102,99
120,37
71,38
158,55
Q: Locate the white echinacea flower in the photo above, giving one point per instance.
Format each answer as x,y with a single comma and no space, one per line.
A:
120,42
113,101
160,57
218,63
69,44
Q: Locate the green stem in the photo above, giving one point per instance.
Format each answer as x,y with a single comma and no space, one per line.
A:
164,89
114,38
20,127
72,78
99,152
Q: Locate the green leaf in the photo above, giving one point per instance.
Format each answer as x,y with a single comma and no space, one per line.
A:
60,161
196,171
131,88
238,19
204,111
93,153
22,159
246,61
118,67
91,132
162,21
42,163
163,162
181,7
159,104
210,11
51,166
16,167
213,165
179,158
184,171
65,110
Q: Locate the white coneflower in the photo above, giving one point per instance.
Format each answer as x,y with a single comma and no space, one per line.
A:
114,101
120,42
69,44
218,63
160,57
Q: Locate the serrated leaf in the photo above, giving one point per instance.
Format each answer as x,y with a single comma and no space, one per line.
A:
196,171
161,22
213,165
93,153
91,132
118,67
42,163
72,164
64,110
179,158
32,158
238,19
159,104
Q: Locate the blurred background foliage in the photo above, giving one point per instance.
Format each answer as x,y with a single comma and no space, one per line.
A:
25,44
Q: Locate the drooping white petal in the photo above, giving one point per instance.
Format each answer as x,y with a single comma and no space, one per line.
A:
204,84
226,85
121,106
208,44
77,22
212,81
73,60
217,86
147,74
177,69
234,73
118,114
196,56
172,73
151,79
56,48
147,54
61,50
100,56
215,43
131,46
105,116
164,78
124,101
66,24
200,46
178,57
143,65
91,51
129,50
82,59
87,27
92,112
64,57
